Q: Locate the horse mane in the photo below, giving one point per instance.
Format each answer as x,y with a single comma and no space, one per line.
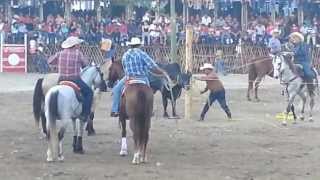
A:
290,64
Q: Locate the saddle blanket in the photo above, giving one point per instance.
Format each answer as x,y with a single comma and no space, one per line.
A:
133,81
75,87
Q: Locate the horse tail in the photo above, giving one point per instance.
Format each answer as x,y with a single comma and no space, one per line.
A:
317,82
38,98
142,117
52,112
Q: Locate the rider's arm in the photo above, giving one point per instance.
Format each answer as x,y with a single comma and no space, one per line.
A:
84,60
53,59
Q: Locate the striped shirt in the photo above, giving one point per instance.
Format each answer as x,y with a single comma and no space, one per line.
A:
137,63
69,62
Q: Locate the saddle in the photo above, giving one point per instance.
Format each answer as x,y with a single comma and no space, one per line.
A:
75,87
131,82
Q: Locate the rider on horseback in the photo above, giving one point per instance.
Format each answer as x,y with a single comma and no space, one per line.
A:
136,64
69,62
302,55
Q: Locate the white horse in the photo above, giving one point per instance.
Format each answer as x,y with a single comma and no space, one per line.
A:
286,71
48,81
61,103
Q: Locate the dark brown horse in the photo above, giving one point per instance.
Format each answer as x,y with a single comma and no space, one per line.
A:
137,106
258,68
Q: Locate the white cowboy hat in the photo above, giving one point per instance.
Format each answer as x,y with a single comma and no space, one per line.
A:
206,66
134,41
70,42
275,31
16,16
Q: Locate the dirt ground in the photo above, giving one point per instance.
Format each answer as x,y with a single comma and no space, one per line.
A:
254,146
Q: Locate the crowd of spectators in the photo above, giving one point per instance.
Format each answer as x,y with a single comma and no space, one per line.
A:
153,30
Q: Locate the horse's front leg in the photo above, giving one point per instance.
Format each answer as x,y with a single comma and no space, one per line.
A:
289,106
304,100
250,87
79,146
124,146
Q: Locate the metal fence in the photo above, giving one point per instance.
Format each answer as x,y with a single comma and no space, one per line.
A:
236,58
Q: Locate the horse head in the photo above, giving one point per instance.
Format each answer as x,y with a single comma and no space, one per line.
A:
93,76
115,73
184,80
283,66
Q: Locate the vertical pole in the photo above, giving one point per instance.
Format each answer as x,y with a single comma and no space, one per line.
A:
300,13
41,16
67,10
98,9
273,11
25,53
188,67
173,54
1,51
244,14
216,10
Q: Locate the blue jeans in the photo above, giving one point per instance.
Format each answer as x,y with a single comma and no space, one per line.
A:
116,97
213,96
87,94
117,91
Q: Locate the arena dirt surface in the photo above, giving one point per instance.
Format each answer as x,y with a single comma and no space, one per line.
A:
252,147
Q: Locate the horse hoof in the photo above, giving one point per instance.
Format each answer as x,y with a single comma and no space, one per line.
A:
284,123
61,158
165,115
123,152
249,99
49,159
257,100
294,122
135,161
92,133
311,120
301,118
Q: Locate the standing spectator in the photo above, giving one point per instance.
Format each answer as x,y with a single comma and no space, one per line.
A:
145,33
260,33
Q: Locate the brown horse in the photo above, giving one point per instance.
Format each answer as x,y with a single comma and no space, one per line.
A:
258,68
136,105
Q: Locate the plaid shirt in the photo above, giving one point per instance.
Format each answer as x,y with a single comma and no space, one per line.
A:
137,63
69,62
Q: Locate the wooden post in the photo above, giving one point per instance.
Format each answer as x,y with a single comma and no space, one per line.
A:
188,67
173,38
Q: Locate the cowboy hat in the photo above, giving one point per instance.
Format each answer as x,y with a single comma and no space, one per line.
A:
70,42
297,35
106,44
275,31
134,41
206,66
